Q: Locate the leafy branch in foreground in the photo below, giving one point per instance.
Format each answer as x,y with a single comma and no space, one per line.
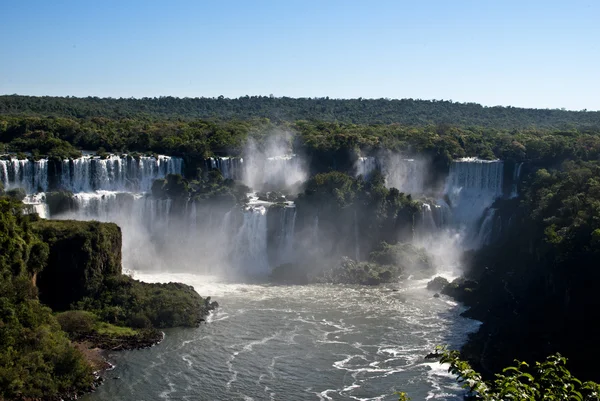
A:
548,380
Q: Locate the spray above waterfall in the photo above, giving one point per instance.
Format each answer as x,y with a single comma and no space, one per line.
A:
271,165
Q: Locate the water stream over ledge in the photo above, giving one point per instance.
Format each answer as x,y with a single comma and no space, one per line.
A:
321,342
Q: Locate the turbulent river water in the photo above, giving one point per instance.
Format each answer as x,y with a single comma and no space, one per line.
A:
310,342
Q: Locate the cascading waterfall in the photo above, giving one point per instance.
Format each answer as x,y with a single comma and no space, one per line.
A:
486,230
249,253
90,173
32,176
230,167
428,224
288,227
356,239
407,175
472,186
515,180
365,166
116,173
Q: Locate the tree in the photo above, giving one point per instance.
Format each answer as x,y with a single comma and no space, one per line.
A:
549,381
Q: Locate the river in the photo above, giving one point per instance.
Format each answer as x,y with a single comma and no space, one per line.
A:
309,342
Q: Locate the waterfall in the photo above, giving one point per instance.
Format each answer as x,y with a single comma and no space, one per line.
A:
90,173
356,239
365,166
407,175
37,204
32,176
116,173
249,253
515,180
230,167
472,186
427,224
486,231
288,227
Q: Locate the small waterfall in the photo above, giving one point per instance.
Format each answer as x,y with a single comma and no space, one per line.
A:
442,214
356,239
249,254
230,167
288,227
365,166
486,231
407,175
37,204
427,223
32,176
515,180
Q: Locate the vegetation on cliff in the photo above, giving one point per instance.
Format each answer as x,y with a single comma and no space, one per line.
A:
36,358
73,265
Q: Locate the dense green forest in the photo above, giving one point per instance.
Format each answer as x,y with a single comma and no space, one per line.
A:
328,146
355,111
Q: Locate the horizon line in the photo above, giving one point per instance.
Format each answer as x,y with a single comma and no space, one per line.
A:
271,96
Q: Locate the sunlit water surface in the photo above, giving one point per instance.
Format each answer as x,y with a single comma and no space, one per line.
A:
313,342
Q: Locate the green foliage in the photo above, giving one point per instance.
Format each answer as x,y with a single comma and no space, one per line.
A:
127,302
17,194
36,358
548,380
82,254
345,204
405,255
77,322
357,111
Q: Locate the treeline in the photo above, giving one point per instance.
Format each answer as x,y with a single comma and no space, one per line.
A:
355,111
328,145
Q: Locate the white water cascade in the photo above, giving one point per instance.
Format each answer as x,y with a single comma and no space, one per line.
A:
89,173
472,186
230,167
249,253
365,166
288,227
116,173
515,180
405,174
32,176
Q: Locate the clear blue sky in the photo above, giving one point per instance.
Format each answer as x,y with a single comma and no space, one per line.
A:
521,53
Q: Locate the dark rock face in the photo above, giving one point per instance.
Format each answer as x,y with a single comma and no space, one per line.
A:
81,255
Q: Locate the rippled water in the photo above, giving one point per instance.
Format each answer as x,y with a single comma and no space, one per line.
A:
314,342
